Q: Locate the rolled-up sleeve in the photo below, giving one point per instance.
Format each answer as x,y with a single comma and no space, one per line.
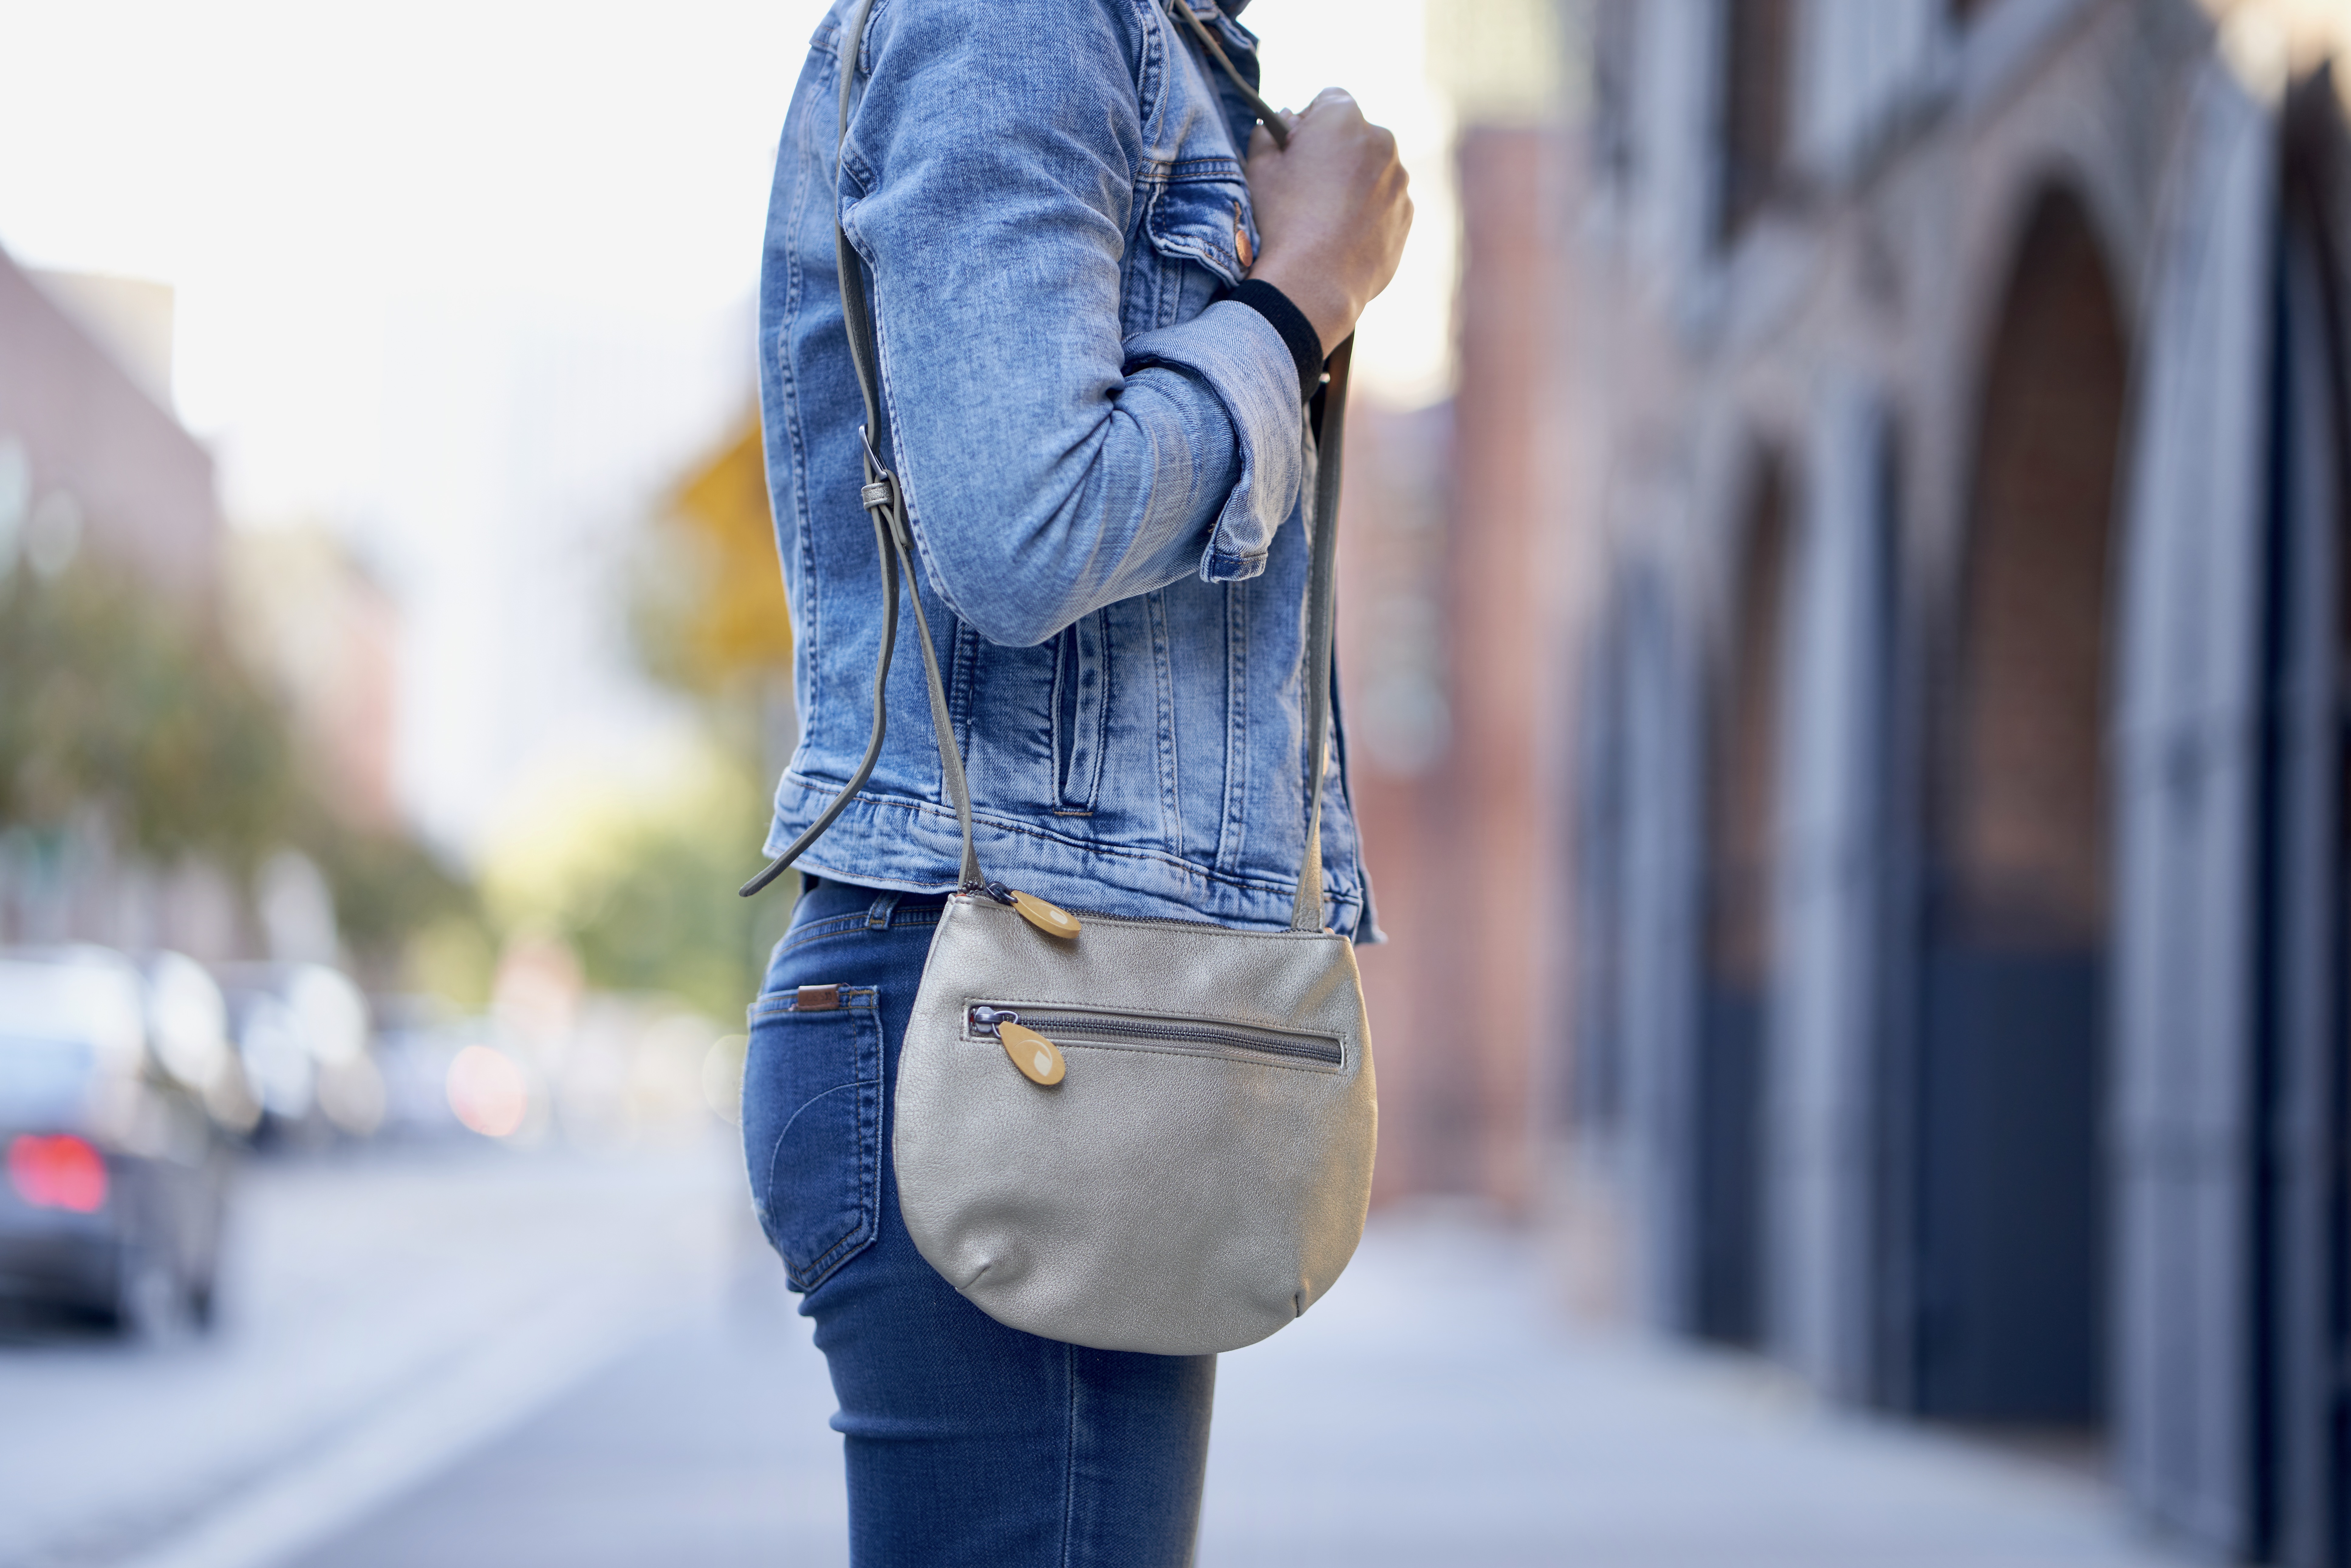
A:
1049,466
1228,349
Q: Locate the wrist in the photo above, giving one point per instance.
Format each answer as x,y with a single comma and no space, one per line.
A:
1326,307
1298,334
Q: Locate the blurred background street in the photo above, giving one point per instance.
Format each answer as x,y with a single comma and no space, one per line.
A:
468,1357
1845,649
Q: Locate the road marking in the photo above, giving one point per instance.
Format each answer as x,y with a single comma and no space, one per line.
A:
487,1393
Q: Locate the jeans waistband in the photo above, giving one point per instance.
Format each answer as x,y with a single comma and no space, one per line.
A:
883,907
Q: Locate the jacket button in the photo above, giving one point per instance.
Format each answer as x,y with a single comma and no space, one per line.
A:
1241,239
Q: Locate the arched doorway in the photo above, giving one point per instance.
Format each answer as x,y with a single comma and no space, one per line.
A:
2301,1509
2008,1229
1729,1188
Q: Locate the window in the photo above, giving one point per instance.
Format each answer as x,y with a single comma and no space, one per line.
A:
1758,51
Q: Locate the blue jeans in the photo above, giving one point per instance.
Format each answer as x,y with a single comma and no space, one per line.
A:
969,1445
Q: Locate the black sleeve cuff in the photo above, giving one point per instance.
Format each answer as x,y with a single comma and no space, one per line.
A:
1297,332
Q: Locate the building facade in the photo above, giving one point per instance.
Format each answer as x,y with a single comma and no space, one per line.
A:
1961,815
88,453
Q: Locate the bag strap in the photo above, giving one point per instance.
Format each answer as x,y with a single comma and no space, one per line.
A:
894,542
1266,113
1322,606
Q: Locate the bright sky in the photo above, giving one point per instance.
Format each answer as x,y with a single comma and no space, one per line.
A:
470,280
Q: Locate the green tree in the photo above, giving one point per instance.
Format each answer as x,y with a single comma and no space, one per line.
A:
119,699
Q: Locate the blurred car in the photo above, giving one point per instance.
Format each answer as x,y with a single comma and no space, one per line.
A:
303,1037
118,1104
418,1038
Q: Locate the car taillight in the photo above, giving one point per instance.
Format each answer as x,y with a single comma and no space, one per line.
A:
60,1172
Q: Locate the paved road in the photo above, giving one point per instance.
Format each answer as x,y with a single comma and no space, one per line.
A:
379,1314
524,1399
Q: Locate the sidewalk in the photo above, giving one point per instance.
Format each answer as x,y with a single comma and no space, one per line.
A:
1433,1411
1436,1411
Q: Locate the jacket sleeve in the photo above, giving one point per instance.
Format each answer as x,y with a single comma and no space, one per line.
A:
1049,467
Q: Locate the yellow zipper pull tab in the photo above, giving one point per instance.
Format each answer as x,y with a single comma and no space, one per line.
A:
1045,917
1039,1059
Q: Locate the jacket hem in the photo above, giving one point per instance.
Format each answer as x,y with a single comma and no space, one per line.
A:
912,846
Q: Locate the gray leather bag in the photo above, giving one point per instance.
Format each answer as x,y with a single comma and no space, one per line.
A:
1186,1166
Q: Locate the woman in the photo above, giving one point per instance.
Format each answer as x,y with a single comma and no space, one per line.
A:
1099,330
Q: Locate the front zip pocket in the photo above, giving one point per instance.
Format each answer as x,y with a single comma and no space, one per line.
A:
1155,1031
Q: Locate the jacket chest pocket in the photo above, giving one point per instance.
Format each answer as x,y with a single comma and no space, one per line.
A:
1199,238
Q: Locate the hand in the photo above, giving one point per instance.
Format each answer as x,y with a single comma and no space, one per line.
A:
1332,212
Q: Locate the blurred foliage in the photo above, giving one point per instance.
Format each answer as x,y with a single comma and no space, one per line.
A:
128,704
637,876
124,701
388,888
640,882
645,889
710,612
454,957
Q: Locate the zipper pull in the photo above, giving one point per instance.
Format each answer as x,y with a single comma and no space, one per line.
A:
1045,917
1039,1059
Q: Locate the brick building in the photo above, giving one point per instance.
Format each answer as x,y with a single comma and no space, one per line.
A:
83,437
1459,564
1961,797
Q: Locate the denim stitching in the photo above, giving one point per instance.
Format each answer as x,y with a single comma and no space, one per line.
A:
850,926
1232,828
1206,243
1070,1453
854,999
962,669
809,1276
810,631
1163,667
868,1225
1151,76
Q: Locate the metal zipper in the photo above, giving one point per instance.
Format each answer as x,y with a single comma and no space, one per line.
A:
1104,1028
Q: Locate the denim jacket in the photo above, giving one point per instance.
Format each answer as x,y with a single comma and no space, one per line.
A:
1105,465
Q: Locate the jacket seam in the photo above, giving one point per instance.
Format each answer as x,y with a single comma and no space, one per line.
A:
803,506
1232,833
1171,772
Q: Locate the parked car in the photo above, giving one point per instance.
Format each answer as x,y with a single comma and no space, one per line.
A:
118,1104
303,1036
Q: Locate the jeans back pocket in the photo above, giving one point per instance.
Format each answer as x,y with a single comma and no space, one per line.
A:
813,1126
